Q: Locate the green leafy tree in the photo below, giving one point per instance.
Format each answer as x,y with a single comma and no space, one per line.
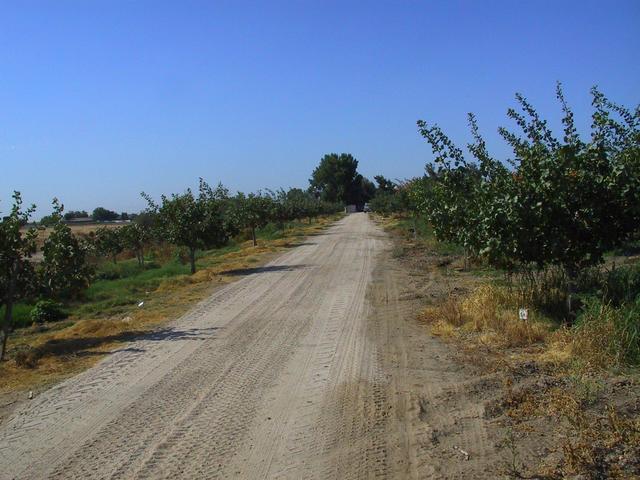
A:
63,272
134,237
47,221
252,211
336,179
71,214
109,242
101,214
558,203
194,222
16,270
384,184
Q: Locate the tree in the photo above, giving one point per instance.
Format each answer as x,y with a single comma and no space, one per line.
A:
63,272
47,221
384,184
101,214
252,211
16,271
135,236
71,214
109,242
336,179
194,222
559,203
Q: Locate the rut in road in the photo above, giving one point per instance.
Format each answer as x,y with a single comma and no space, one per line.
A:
271,377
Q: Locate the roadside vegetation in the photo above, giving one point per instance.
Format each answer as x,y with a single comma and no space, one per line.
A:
88,291
540,255
74,284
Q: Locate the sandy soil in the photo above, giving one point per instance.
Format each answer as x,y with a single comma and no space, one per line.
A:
311,367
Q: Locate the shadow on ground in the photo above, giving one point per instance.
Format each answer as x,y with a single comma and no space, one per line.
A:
81,346
267,269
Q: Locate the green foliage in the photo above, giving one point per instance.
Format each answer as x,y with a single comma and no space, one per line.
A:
561,202
614,331
47,221
21,314
195,222
384,184
622,285
134,237
336,179
47,311
71,214
17,276
386,203
101,214
109,242
63,272
251,211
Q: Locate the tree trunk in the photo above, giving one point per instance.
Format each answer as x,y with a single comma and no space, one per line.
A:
8,312
192,260
115,260
141,257
6,327
253,236
571,290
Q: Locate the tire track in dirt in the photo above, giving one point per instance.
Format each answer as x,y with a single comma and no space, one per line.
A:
182,405
315,369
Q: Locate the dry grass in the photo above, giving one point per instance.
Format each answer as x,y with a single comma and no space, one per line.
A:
492,313
49,355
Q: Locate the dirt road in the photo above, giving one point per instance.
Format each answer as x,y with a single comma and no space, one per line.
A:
310,367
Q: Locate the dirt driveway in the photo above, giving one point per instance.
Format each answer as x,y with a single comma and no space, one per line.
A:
310,367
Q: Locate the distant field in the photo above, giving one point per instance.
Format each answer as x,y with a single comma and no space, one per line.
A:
77,229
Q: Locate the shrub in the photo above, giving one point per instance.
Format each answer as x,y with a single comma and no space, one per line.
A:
47,311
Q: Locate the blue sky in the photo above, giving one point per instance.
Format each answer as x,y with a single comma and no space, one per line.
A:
101,100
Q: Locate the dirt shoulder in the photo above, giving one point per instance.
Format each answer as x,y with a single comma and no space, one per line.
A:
477,409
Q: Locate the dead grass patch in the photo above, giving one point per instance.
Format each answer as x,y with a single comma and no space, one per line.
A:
492,313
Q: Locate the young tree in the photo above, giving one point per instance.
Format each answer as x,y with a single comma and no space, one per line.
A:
251,211
63,272
134,237
109,242
16,271
194,222
562,202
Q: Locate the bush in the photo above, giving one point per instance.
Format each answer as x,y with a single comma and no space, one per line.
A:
47,311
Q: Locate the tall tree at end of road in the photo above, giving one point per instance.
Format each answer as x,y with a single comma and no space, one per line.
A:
334,178
16,271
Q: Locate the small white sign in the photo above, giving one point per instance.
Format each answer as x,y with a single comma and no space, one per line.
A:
523,313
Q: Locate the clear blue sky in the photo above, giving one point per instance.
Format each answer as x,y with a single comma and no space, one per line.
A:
101,100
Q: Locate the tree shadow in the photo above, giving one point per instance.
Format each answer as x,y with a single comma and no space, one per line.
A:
297,244
267,269
81,346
